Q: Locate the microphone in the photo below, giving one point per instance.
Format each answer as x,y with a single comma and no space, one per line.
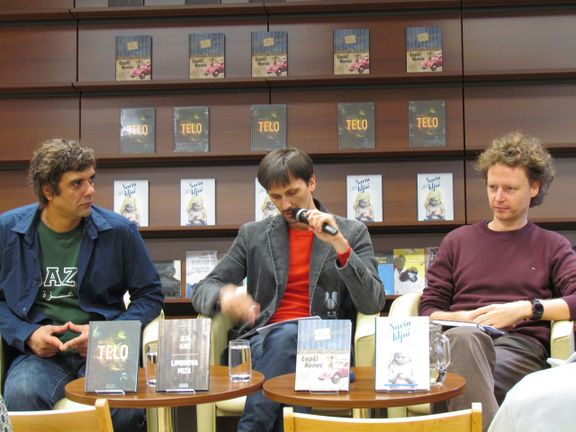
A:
300,215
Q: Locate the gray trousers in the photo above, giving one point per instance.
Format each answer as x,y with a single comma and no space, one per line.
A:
491,367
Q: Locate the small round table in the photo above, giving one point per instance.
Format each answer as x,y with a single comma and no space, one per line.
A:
361,394
146,397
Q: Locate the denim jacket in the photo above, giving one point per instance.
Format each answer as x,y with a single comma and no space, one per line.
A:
260,253
112,260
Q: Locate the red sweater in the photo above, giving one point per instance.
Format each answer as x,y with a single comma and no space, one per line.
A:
476,267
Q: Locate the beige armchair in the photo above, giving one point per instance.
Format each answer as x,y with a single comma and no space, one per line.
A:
561,344
208,413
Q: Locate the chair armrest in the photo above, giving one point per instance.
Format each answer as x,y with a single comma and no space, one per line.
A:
218,336
561,339
405,305
364,339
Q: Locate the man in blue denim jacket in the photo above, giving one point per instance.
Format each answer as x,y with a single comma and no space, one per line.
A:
293,270
65,262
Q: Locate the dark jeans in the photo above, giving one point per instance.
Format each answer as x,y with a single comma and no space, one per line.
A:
34,383
273,355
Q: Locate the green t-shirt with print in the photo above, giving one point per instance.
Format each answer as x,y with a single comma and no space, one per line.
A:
58,296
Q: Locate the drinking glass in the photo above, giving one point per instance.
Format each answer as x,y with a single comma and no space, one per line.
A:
239,360
440,355
151,363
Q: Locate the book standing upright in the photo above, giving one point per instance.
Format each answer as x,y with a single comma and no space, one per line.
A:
402,357
133,57
197,202
184,355
364,197
323,355
131,200
113,356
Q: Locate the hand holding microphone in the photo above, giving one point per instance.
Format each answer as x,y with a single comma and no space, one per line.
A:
300,215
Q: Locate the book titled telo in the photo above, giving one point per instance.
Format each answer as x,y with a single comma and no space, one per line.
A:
184,355
112,358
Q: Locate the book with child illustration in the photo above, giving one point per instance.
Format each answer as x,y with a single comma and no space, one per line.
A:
131,200
435,197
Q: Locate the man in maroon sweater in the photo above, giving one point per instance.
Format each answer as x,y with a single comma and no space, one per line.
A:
507,273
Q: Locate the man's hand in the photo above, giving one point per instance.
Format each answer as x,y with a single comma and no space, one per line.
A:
80,343
43,343
503,316
316,220
238,305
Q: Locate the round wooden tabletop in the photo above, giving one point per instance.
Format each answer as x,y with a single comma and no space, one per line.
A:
146,397
361,394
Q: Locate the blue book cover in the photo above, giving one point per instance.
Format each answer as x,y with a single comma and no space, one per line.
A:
424,49
269,54
386,271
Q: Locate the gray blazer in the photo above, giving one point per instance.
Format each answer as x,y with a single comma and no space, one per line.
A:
260,253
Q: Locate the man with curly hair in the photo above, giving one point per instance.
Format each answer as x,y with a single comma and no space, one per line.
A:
505,272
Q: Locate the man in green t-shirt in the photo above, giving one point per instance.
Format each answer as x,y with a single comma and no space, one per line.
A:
63,263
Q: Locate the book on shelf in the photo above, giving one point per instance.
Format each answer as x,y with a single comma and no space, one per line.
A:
364,197
402,357
427,123
386,270
351,51
268,127
113,356
116,3
197,202
263,205
133,57
431,254
170,272
409,270
323,355
356,125
137,130
191,129
206,53
435,197
131,200
269,54
424,49
198,265
183,355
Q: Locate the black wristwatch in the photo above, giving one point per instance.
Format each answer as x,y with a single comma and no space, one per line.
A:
537,310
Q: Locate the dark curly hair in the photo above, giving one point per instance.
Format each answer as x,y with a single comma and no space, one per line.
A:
54,158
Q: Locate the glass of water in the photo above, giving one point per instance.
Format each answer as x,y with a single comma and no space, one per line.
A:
151,363
239,360
440,355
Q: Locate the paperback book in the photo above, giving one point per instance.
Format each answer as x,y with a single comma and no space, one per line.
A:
268,127
402,357
409,270
386,271
197,202
269,54
184,355
112,357
191,129
351,51
424,49
198,265
356,125
435,197
427,123
170,273
131,200
264,207
133,57
323,355
206,55
137,130
364,197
